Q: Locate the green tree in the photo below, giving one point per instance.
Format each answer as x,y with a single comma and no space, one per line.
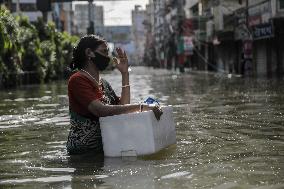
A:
34,48
10,48
33,61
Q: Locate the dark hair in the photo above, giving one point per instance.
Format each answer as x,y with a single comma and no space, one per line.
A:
79,57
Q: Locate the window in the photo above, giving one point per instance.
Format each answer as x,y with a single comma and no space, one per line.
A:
281,4
28,7
25,7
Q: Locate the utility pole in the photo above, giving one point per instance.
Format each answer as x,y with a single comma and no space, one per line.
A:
91,29
44,6
18,7
247,14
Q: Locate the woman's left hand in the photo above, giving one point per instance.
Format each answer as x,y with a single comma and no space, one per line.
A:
156,109
121,62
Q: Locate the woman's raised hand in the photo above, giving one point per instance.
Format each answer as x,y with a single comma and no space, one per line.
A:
121,62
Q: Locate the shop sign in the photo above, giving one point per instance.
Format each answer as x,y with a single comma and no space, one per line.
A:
188,45
260,14
261,8
263,31
185,45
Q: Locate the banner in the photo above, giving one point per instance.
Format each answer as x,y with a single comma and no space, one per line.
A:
185,45
188,45
262,31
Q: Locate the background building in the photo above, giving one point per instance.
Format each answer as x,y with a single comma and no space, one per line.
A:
63,16
138,34
82,17
115,34
242,37
149,53
119,36
27,8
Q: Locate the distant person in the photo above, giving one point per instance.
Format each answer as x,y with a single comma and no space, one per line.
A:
246,67
91,97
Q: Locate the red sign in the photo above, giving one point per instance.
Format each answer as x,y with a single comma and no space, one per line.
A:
247,45
187,27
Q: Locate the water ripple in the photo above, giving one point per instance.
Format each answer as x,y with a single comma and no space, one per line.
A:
43,179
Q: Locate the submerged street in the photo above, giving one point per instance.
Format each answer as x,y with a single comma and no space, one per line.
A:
230,134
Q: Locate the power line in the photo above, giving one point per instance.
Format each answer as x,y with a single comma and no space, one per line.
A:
62,1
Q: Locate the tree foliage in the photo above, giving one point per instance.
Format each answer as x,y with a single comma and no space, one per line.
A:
34,48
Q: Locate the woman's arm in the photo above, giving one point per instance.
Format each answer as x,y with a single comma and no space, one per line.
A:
122,65
101,110
125,91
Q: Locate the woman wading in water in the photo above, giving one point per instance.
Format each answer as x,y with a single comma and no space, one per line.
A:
92,97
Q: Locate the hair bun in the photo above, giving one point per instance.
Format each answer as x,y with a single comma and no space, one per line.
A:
79,57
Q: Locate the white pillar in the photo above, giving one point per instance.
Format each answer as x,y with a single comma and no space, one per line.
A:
273,8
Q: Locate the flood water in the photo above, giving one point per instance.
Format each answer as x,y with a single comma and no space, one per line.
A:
230,134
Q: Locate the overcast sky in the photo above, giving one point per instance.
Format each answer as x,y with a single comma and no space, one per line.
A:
119,12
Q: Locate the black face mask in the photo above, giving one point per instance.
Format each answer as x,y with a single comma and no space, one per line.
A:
100,61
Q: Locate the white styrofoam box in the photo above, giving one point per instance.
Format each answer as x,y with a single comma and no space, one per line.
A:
137,133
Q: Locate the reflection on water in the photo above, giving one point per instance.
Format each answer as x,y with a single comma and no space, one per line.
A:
230,134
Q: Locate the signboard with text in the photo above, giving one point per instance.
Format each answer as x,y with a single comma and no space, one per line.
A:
188,45
260,13
262,31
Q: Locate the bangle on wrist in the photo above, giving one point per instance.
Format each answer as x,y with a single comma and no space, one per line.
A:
124,86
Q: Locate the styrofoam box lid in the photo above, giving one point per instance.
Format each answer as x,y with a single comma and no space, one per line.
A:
137,133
